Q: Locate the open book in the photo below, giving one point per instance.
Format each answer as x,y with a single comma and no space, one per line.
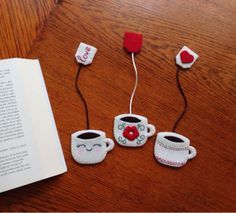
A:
30,149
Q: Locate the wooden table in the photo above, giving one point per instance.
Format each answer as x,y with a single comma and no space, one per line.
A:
131,179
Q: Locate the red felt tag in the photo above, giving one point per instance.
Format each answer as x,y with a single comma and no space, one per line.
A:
186,57
133,42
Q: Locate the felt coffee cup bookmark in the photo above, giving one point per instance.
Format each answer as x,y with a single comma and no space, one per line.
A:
173,149
88,146
131,130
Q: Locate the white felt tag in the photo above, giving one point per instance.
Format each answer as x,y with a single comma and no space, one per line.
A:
85,54
185,61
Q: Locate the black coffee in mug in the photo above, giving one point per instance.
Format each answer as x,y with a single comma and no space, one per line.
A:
174,139
130,119
88,135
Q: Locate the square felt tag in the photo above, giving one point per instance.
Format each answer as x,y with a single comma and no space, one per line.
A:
133,42
85,54
186,58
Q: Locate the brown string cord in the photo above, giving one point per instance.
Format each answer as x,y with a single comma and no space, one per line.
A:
81,96
184,98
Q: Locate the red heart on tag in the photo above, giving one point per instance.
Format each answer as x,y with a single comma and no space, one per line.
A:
186,57
133,42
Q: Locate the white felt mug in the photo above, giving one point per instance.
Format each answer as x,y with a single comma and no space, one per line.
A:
173,149
90,146
132,130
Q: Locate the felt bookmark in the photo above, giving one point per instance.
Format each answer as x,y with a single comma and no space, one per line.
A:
88,146
173,149
131,130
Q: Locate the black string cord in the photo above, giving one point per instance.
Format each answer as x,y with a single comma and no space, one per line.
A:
184,98
81,96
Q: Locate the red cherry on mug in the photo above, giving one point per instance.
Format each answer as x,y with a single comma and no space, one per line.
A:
186,57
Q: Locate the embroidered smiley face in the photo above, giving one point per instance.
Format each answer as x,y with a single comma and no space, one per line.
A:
83,147
89,151
90,146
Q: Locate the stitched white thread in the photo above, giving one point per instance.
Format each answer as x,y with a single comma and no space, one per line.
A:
136,84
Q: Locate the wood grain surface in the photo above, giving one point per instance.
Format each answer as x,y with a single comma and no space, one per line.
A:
21,22
131,179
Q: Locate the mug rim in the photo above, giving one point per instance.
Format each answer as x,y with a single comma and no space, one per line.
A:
140,117
161,138
99,132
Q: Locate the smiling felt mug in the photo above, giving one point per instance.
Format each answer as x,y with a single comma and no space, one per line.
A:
90,146
132,130
173,149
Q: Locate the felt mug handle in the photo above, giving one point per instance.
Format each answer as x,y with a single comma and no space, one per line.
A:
110,144
193,152
151,130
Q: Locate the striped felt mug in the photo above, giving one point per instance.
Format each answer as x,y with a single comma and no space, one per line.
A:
173,149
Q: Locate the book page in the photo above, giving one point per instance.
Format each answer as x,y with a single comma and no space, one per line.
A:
42,121
29,145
